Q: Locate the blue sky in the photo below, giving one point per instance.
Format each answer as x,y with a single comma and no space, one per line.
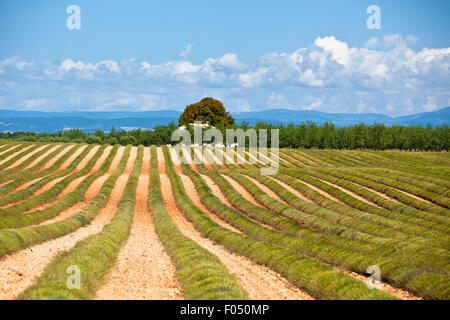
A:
145,55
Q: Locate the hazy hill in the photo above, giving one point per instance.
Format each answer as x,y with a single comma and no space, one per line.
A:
90,121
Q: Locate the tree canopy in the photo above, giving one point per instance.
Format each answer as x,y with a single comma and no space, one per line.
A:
207,110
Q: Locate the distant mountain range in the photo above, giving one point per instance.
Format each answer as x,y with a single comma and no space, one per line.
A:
97,120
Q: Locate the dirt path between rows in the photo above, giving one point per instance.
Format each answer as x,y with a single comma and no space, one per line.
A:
10,149
265,189
198,152
295,161
254,158
217,192
402,294
91,192
143,269
268,159
241,159
40,158
215,159
230,158
286,161
259,281
291,190
53,160
350,193
241,190
72,185
18,271
176,161
14,154
378,193
320,191
25,157
192,193
65,164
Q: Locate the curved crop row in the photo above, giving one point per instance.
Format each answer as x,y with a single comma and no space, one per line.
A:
62,204
9,148
16,239
407,186
298,160
51,193
17,169
354,184
332,158
94,255
312,157
382,217
30,190
436,185
318,279
371,252
17,149
387,190
30,174
199,272
300,224
395,212
343,225
5,174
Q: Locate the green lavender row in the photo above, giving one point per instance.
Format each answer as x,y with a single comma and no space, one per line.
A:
95,255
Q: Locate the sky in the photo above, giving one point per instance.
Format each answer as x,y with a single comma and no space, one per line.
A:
253,55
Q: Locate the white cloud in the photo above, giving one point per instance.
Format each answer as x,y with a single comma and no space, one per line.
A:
430,104
338,49
384,75
310,79
32,103
314,103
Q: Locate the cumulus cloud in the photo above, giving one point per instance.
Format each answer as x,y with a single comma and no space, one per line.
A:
385,75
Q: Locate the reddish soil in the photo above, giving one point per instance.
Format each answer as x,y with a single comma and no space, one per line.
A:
259,281
19,270
143,269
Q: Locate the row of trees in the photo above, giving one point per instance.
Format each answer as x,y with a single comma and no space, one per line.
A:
306,135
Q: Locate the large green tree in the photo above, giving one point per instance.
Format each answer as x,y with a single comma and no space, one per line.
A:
207,110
